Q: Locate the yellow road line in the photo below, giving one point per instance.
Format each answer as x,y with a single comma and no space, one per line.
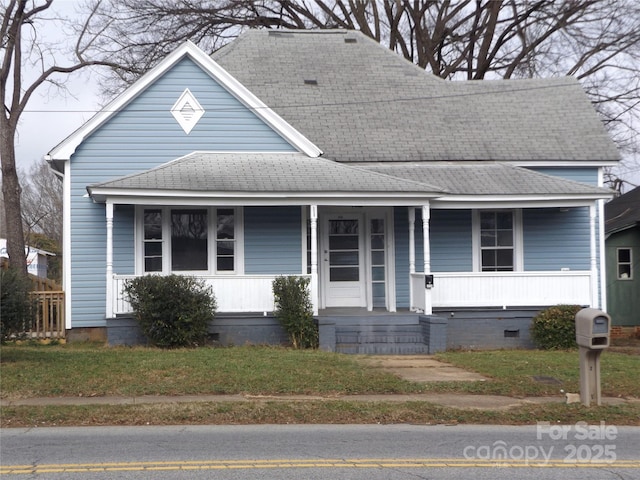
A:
305,463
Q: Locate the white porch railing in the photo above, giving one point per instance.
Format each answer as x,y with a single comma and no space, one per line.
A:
247,293
498,289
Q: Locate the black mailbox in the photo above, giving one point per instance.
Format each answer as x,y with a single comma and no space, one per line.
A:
428,281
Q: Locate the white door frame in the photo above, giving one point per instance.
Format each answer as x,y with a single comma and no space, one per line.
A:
364,215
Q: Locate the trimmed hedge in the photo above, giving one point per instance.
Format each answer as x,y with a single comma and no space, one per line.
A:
555,328
295,312
173,311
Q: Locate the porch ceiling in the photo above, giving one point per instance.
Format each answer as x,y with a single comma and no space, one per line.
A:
259,174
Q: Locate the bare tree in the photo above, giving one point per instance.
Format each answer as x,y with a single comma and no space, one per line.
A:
22,48
42,203
596,41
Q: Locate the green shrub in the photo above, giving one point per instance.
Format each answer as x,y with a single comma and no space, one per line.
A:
294,311
173,311
17,308
555,327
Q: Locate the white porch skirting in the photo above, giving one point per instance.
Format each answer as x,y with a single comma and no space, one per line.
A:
503,289
247,293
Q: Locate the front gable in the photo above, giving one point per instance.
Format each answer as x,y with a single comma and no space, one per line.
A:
244,121
145,132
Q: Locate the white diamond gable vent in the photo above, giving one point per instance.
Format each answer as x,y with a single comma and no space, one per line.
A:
187,111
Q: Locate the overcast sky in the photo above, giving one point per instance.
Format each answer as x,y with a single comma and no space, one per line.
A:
52,115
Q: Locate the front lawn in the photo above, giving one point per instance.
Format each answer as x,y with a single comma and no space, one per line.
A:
94,370
538,373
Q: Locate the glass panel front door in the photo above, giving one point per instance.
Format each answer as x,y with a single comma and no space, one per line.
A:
343,261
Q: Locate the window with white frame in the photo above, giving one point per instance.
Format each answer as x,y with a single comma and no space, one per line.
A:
497,240
624,261
189,240
225,240
152,240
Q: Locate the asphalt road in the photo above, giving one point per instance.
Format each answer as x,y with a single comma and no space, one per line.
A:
543,451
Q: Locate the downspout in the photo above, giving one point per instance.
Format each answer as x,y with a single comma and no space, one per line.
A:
66,242
593,256
313,220
601,238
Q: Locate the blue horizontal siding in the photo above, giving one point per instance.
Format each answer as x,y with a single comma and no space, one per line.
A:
554,239
588,175
450,233
451,241
142,136
401,233
272,240
123,240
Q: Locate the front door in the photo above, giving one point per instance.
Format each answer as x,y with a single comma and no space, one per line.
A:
343,260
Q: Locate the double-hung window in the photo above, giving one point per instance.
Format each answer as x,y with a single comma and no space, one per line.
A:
497,234
624,261
195,239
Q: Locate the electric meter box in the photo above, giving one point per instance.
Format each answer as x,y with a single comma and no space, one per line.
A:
593,328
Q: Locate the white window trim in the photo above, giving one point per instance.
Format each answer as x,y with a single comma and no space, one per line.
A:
618,263
518,243
211,239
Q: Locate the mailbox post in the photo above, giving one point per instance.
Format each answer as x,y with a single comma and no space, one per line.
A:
593,329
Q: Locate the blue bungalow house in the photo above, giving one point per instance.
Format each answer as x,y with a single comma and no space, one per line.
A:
323,154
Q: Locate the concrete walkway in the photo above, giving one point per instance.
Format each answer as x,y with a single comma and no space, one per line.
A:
421,368
456,400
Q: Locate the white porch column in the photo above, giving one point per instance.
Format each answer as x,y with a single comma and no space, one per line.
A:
593,258
109,215
412,253
426,217
313,218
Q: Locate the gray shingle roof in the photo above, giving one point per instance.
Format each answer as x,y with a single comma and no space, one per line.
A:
622,212
296,173
371,105
262,172
486,179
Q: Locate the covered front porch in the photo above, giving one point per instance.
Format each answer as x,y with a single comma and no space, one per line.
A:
379,242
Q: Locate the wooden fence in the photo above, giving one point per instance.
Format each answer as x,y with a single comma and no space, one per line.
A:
49,299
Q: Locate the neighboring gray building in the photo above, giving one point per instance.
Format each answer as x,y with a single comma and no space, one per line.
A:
323,154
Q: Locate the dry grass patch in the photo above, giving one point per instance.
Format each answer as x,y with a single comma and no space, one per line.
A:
309,412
